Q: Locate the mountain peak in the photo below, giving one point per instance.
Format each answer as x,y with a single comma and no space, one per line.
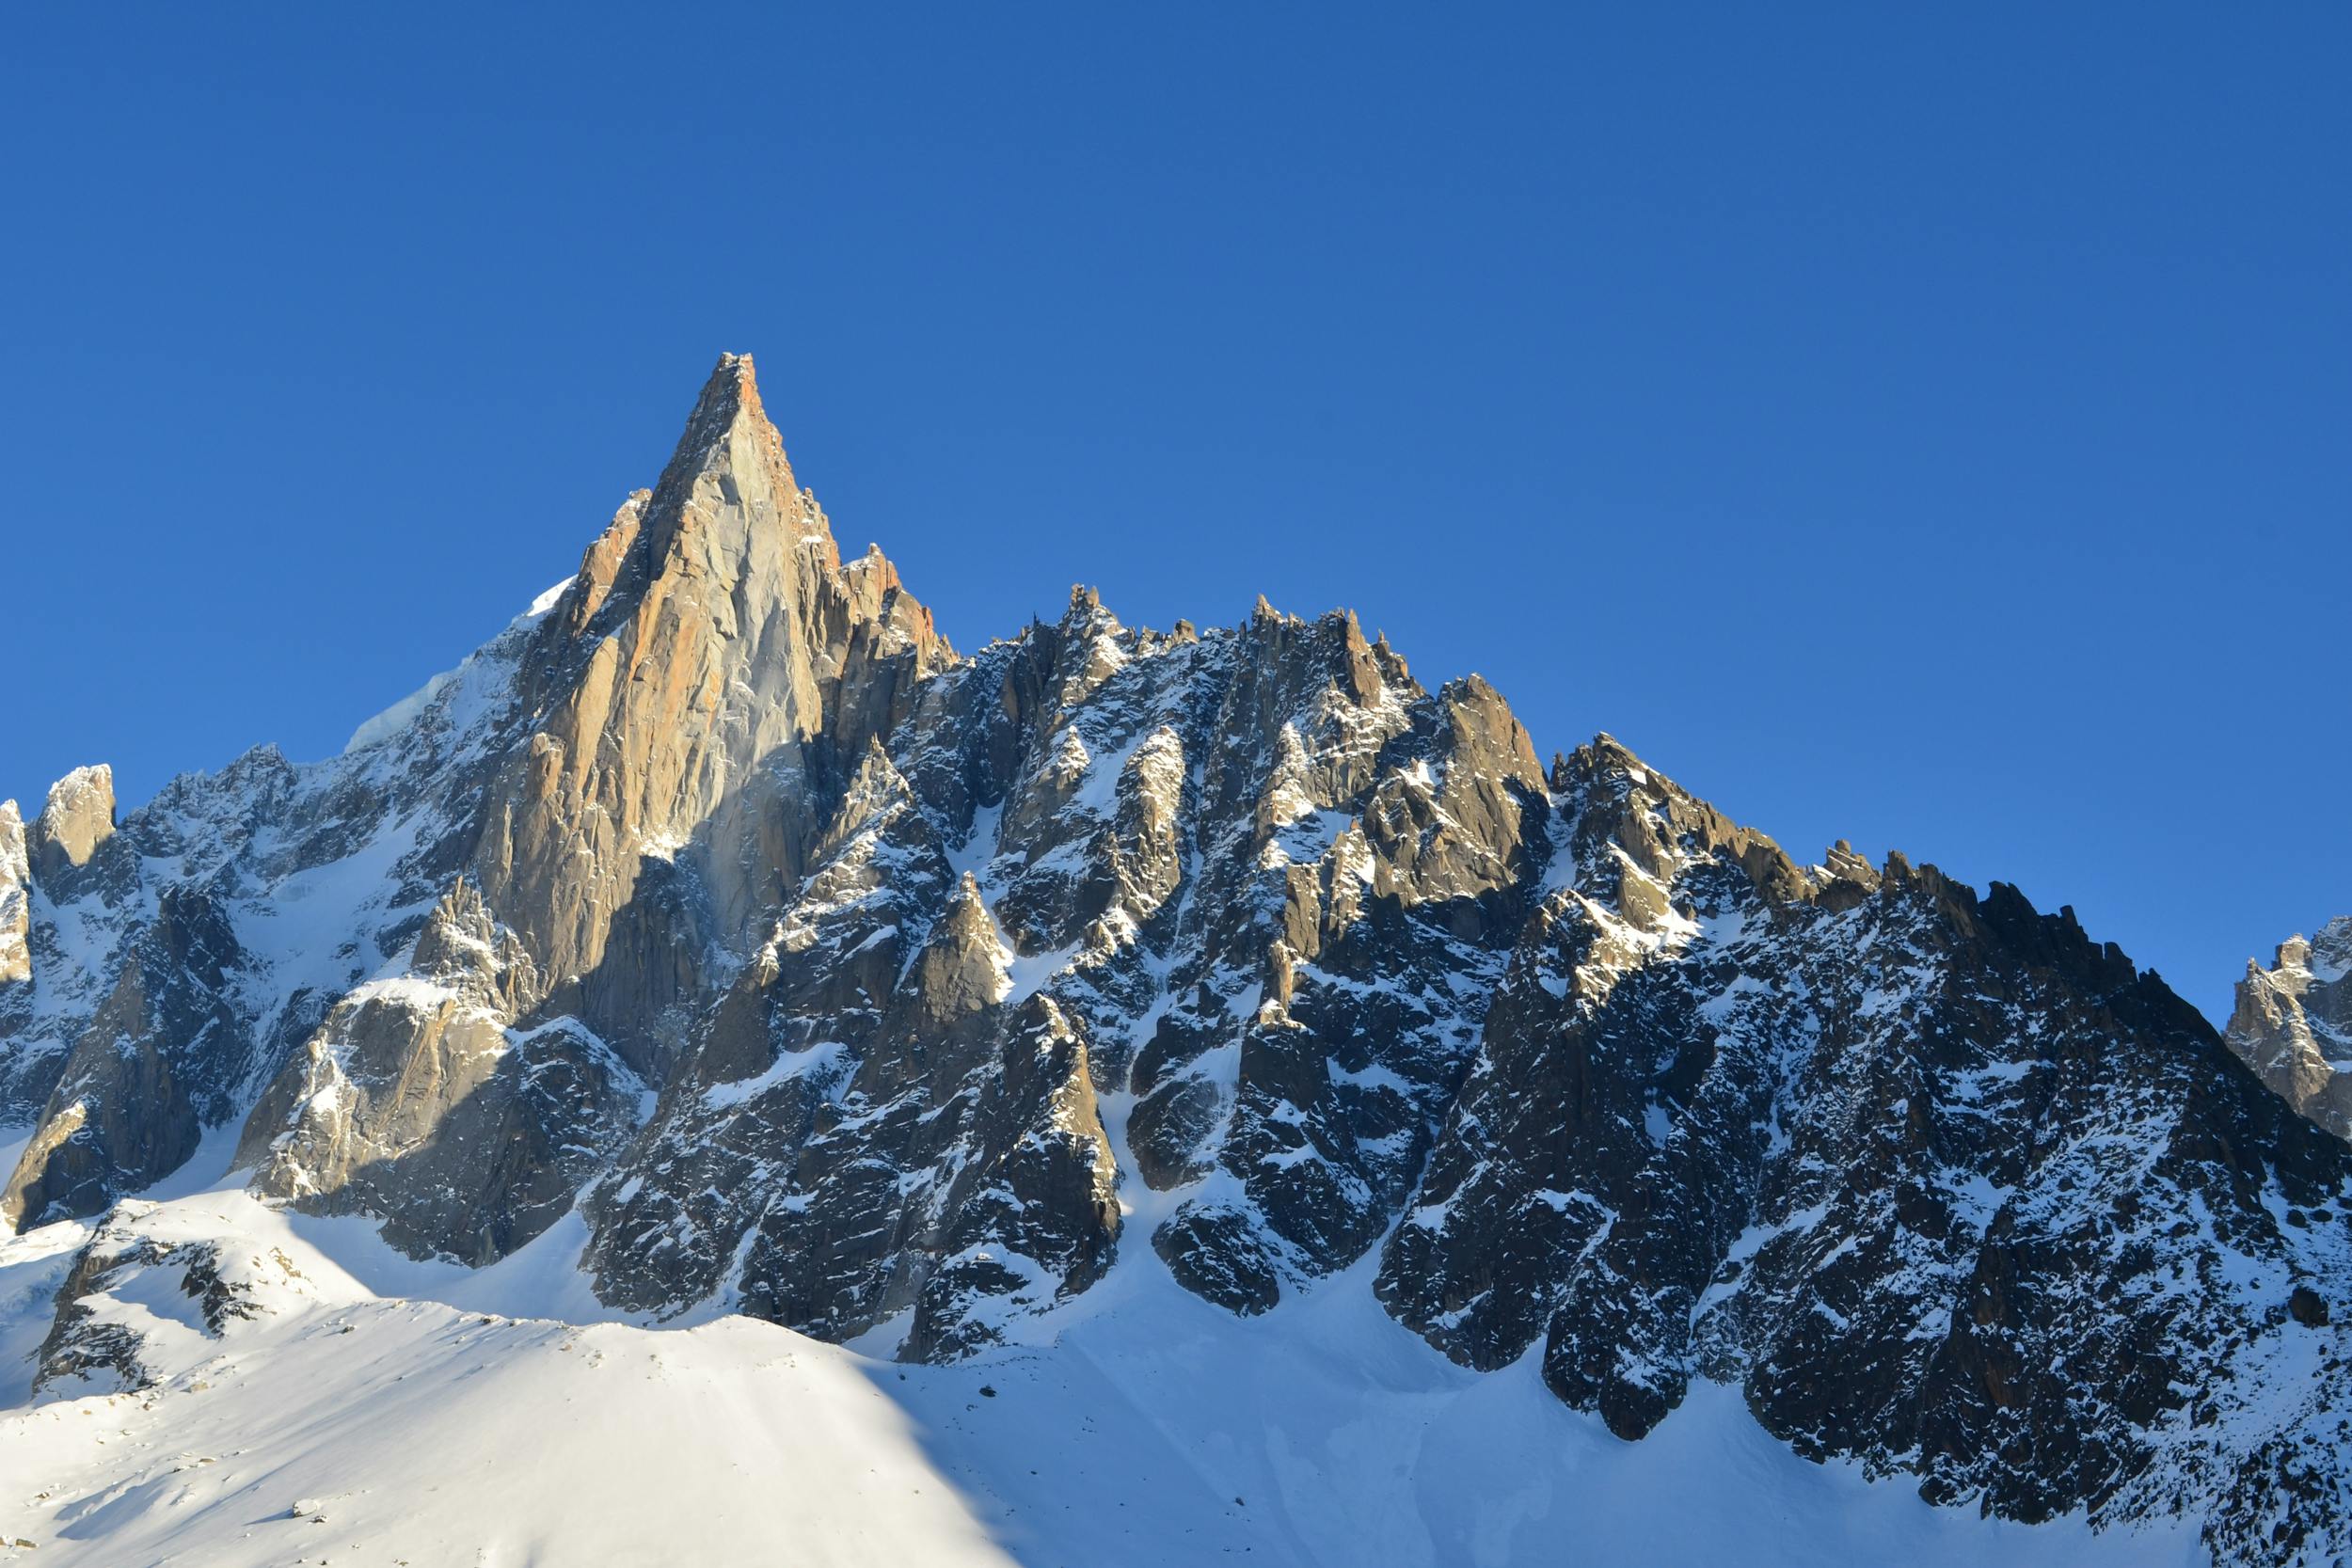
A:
16,916
77,817
733,386
2331,956
2292,1024
728,429
726,503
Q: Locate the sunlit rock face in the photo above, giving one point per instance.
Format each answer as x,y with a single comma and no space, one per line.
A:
78,817
698,692
808,969
16,903
2293,1024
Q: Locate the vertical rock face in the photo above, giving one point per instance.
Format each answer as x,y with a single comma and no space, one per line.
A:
1908,1164
875,1120
121,976
164,1053
2293,1024
685,712
841,980
16,901
79,816
1588,1062
711,667
419,1101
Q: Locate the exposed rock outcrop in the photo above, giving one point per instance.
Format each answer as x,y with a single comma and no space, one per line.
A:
78,817
709,669
165,1054
16,901
874,1121
91,1350
420,1102
682,714
2293,1024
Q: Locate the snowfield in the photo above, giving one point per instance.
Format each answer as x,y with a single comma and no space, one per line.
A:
378,1411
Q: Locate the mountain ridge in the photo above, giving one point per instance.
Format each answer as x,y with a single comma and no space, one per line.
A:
845,981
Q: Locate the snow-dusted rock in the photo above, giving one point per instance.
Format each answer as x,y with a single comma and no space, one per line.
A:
78,817
2293,1024
418,1099
16,899
166,1052
1919,1170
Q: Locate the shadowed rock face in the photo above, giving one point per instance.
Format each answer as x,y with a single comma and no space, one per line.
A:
2293,1024
1910,1166
839,980
164,1053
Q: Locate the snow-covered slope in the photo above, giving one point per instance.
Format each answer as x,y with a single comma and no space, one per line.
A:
356,1406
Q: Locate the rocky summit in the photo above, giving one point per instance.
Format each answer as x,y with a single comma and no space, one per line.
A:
2293,1024
816,971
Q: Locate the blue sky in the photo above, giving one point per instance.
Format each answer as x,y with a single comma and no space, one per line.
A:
1928,427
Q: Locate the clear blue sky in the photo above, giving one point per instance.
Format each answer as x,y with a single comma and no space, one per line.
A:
1931,426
